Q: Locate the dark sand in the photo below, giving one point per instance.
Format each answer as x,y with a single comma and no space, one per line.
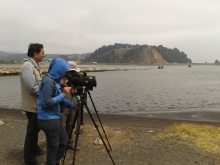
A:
129,136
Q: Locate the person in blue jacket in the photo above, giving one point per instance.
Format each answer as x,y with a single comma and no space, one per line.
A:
49,110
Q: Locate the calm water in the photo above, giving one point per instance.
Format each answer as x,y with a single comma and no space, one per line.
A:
172,90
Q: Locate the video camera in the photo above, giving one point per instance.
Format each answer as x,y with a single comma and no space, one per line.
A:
80,80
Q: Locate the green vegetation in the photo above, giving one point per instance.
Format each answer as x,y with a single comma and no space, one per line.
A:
217,62
6,62
172,55
204,138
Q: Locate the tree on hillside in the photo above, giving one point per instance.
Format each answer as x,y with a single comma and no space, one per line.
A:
217,62
172,55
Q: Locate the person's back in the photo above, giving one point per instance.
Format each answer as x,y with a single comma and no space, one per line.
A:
30,77
69,116
51,97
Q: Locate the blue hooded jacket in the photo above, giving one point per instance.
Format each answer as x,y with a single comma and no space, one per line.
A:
50,94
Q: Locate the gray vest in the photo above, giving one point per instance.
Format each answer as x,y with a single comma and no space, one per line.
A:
29,102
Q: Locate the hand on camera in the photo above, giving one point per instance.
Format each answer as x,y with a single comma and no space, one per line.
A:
73,91
76,107
66,90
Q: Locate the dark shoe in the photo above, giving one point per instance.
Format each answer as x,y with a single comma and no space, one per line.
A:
42,151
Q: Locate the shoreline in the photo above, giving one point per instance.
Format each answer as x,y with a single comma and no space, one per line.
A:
82,64
203,117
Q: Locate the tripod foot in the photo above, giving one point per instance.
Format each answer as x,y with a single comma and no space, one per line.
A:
72,146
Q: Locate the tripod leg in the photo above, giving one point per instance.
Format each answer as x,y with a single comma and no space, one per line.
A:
82,123
77,132
99,120
98,131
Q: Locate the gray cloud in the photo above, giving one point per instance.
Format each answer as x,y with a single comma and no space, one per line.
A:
82,26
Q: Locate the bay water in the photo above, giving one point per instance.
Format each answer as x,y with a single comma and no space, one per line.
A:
177,92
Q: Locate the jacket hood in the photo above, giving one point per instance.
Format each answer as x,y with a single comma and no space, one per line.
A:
31,60
57,68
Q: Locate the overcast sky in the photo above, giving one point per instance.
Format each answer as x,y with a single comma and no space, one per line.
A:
64,27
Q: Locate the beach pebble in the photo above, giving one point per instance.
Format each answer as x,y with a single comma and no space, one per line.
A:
1,122
98,141
150,131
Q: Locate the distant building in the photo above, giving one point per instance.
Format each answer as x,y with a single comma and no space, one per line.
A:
50,59
65,57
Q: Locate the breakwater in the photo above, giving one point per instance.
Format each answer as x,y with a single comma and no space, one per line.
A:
16,71
7,71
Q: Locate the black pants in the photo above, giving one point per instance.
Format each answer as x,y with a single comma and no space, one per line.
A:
31,147
57,139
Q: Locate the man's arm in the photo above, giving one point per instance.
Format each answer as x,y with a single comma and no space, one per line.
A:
29,80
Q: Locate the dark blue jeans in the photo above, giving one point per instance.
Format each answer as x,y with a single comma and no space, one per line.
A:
31,147
57,139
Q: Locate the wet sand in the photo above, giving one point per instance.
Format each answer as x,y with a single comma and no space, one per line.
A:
12,134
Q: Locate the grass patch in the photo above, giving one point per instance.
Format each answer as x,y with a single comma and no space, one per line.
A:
204,138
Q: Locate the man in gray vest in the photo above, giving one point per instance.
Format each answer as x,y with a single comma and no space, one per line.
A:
30,77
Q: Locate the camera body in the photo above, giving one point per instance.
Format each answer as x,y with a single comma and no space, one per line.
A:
79,89
81,81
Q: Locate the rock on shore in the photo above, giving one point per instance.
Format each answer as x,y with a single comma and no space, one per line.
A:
16,71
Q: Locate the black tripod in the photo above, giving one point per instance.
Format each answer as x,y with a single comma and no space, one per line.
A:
79,121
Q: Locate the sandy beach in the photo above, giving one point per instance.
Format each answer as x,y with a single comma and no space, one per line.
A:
131,139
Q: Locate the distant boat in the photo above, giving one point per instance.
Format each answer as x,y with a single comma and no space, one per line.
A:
160,67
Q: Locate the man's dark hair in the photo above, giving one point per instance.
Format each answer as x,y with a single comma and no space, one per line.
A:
34,48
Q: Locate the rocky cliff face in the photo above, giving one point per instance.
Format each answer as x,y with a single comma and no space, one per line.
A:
148,56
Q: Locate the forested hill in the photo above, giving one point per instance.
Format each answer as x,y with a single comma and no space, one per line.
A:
137,54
